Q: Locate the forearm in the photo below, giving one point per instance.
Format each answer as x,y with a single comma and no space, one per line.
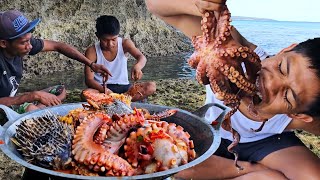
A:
20,99
217,167
184,15
242,40
73,53
166,8
141,61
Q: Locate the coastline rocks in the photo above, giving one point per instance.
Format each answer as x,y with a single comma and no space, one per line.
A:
73,22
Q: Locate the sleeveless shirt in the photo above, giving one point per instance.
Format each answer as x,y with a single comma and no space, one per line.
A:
117,67
244,125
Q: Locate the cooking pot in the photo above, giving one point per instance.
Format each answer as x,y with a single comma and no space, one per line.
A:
205,137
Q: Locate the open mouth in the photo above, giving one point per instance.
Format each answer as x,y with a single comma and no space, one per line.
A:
257,98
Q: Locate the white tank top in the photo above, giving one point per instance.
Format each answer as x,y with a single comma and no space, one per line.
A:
242,124
117,67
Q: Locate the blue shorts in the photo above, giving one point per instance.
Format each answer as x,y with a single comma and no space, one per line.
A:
257,150
118,88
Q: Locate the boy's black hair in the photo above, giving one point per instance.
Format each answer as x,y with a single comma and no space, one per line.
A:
107,25
311,50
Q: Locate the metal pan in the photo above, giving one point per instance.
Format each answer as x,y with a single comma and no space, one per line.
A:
205,137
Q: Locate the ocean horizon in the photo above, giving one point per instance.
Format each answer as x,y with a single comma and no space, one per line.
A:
273,35
245,18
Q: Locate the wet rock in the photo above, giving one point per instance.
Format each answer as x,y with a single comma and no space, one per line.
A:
73,22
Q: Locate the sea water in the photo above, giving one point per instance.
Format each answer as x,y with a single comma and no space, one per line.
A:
273,36
270,35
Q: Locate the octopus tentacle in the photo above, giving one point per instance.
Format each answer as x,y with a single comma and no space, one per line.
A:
194,60
101,134
261,126
159,146
236,139
160,115
123,124
87,152
207,26
218,60
235,77
201,72
224,28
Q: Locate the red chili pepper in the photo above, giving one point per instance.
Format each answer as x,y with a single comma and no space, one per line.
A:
150,149
1,142
158,135
214,123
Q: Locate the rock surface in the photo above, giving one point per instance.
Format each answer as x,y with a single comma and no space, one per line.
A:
73,22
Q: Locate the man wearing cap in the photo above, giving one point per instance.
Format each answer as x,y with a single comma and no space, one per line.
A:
16,41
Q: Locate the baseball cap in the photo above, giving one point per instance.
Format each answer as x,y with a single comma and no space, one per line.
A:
14,24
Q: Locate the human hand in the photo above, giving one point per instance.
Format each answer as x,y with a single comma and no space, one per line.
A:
46,98
223,70
99,68
210,5
136,73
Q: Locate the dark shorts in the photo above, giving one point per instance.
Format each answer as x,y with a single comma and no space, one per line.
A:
256,151
118,88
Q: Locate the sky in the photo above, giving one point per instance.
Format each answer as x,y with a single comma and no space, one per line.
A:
282,10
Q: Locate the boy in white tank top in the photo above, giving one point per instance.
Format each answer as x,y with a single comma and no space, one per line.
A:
110,51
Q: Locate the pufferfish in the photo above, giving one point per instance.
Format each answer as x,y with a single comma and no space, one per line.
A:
45,141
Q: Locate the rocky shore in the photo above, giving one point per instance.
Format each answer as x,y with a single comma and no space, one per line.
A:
185,94
73,22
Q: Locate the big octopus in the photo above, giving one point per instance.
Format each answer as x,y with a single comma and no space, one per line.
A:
218,60
100,134
105,137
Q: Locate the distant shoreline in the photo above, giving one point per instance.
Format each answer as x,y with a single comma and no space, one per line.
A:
244,18
251,18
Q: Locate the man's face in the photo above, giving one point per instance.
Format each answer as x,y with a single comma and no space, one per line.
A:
20,46
108,42
287,84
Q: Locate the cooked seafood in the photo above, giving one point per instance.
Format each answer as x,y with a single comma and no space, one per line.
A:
96,147
45,141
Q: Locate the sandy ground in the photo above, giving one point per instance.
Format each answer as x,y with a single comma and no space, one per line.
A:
183,93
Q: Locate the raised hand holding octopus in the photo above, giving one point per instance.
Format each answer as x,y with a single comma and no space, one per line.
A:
218,60
218,57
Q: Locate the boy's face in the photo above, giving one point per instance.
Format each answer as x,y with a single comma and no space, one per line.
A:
19,47
108,42
287,84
